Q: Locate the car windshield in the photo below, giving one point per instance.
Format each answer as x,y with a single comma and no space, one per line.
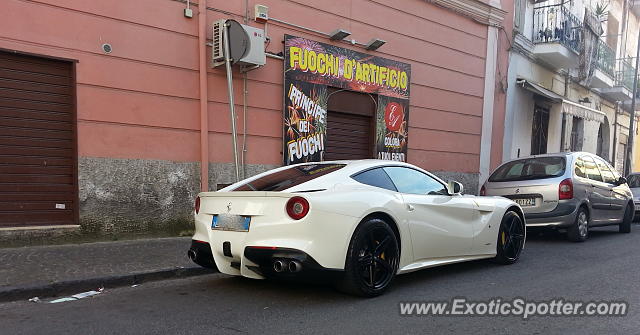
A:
530,168
287,178
633,180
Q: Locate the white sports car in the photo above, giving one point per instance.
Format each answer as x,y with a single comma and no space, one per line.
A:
358,223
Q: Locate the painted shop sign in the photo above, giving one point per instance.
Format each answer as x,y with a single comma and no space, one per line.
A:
310,67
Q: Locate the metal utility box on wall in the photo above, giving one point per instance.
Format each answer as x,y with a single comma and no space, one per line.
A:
246,44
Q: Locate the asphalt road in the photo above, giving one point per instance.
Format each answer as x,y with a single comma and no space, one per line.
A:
606,267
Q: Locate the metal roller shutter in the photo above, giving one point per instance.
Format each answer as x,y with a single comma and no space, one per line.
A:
38,183
348,136
350,125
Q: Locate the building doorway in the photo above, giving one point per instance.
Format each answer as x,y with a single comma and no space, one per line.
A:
38,155
350,125
602,148
539,130
577,134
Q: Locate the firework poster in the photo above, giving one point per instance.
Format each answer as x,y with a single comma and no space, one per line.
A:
392,118
305,122
310,67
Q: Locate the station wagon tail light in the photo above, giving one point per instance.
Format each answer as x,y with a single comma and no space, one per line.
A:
483,191
297,207
197,205
565,191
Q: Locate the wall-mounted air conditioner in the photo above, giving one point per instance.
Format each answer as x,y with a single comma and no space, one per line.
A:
246,44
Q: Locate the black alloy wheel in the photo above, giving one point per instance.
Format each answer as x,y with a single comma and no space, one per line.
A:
511,237
372,259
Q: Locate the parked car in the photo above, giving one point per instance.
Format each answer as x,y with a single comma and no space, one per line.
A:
358,223
633,181
574,191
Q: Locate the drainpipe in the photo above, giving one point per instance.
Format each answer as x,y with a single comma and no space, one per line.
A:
615,135
628,167
204,116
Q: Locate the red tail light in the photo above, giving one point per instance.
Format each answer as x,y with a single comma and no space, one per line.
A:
197,205
565,191
483,191
297,207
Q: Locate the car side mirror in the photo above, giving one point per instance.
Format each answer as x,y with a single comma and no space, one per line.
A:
621,181
455,188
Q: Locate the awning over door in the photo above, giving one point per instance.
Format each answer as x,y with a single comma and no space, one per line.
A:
568,107
537,89
577,110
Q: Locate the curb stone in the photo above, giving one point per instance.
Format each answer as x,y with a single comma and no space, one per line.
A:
14,293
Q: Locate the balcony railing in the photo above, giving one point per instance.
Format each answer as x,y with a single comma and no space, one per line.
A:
624,74
556,24
606,58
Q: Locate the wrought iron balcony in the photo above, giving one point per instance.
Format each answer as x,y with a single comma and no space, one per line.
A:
622,89
606,58
556,24
624,74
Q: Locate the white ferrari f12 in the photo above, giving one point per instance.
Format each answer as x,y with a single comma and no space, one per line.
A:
356,223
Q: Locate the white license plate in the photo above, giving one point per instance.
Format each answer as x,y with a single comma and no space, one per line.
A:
231,222
638,207
526,202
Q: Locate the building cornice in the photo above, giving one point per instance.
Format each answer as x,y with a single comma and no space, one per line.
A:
477,10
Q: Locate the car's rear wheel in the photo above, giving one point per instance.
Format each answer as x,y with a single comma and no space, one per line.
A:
579,231
625,225
372,259
510,238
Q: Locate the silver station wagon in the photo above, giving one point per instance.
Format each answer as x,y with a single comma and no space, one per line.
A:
572,190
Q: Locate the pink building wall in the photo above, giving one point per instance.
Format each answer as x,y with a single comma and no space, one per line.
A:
141,102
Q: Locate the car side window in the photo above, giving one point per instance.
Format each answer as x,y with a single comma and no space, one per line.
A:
413,181
591,169
580,169
607,174
375,177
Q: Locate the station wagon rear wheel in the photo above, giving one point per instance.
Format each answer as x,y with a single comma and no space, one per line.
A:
510,238
625,225
372,259
579,231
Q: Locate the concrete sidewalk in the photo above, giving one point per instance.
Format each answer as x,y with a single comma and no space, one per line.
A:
46,271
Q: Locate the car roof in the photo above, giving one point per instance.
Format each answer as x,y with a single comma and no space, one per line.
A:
556,154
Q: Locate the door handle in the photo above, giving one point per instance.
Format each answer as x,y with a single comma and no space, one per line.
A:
410,208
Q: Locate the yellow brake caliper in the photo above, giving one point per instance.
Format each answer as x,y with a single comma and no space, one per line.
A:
503,238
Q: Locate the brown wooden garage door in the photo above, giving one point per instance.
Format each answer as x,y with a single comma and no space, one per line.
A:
350,125
37,142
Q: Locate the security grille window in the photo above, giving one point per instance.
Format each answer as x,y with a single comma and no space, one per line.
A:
577,129
539,131
621,155
519,15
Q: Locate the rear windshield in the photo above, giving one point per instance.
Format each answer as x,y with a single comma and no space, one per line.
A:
633,180
530,168
287,178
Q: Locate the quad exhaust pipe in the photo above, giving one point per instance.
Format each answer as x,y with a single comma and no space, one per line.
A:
280,266
192,254
295,266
